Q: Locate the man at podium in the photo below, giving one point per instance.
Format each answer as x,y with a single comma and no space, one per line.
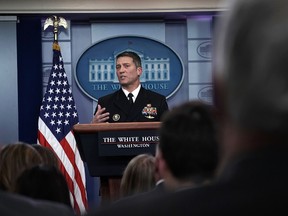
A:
131,103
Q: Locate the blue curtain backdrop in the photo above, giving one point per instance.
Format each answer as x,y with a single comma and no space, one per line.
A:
29,57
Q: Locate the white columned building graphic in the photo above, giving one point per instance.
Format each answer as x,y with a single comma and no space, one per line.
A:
154,69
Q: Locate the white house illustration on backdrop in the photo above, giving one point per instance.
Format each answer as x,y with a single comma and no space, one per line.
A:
154,69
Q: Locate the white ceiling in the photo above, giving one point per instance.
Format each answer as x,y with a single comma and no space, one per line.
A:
108,6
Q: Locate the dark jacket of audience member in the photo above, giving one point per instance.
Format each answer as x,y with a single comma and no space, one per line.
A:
12,204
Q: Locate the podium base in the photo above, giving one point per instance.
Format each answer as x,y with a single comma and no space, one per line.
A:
109,189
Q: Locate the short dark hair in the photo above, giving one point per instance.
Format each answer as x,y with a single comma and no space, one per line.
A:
133,55
188,141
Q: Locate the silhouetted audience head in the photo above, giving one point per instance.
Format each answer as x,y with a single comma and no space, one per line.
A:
49,157
251,74
139,175
187,151
44,182
14,159
251,67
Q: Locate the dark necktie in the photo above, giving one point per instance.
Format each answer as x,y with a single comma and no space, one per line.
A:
130,96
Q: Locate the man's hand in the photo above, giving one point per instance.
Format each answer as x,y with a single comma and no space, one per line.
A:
100,115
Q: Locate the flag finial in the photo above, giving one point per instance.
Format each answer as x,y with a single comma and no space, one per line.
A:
56,22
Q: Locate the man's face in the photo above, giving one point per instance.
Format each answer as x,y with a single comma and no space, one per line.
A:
127,73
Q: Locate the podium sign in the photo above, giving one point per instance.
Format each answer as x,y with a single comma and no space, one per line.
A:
108,147
125,143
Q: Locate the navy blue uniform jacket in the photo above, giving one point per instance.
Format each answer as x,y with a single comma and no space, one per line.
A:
149,106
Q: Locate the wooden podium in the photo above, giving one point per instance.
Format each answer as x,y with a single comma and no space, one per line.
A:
107,148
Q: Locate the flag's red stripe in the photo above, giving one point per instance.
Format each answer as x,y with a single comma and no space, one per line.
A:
70,154
70,184
71,187
78,178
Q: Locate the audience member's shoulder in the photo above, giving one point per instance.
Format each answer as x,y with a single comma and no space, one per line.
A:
140,197
125,204
14,205
140,205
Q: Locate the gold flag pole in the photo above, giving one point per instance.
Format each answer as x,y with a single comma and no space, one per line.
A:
56,22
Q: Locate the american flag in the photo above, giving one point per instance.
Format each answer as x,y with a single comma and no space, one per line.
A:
58,114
